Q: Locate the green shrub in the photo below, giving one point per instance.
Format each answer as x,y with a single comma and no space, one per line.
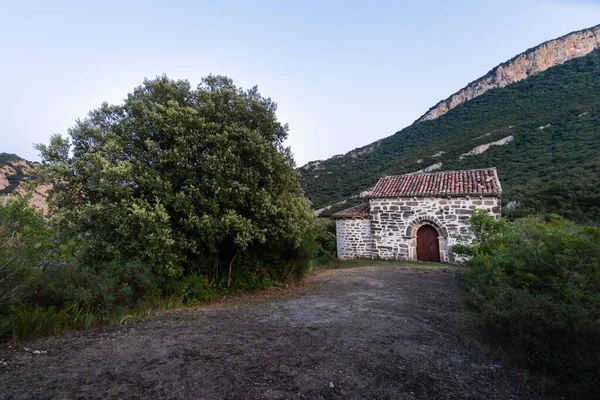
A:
536,283
195,288
326,239
252,279
25,242
106,288
24,322
554,336
300,260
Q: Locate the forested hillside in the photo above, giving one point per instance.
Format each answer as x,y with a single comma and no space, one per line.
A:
549,160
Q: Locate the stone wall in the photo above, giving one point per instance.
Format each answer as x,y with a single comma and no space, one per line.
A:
395,222
353,238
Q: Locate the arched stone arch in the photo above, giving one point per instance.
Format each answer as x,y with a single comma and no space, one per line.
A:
415,224
411,236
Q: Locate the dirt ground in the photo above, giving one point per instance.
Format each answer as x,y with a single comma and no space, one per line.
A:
378,332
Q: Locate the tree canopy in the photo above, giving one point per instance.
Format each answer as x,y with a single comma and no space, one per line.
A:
191,181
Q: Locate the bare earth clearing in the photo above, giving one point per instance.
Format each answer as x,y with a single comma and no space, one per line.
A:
373,332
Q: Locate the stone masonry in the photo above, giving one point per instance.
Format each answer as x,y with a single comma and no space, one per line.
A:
395,222
353,238
387,227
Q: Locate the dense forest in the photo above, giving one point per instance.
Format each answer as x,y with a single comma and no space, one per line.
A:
551,166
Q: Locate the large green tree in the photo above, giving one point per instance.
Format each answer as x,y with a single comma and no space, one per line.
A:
192,181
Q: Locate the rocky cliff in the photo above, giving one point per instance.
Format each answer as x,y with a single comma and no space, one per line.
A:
14,177
538,59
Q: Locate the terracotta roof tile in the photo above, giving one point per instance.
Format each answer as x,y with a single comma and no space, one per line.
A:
480,182
361,210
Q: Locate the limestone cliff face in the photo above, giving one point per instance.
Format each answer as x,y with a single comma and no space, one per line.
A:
532,61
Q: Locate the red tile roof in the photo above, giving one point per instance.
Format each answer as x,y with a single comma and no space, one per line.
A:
361,210
479,182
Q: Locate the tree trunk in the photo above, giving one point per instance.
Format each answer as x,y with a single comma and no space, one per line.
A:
230,266
216,267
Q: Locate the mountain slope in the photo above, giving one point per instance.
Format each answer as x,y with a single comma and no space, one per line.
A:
547,151
14,178
12,172
537,59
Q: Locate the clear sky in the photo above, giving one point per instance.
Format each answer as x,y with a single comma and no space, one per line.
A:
344,73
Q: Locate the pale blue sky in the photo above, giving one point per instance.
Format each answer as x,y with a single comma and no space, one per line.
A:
344,73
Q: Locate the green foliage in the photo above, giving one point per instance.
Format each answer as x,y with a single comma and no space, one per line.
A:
551,170
5,158
536,283
189,181
195,288
23,321
105,288
25,242
296,261
487,231
179,193
324,232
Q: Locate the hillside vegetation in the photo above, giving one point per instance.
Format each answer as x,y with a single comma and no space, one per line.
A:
13,173
551,166
535,285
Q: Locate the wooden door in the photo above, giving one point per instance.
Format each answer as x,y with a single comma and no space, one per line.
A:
428,247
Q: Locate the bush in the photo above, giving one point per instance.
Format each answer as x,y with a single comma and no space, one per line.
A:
536,283
196,288
68,295
24,321
326,239
25,242
295,261
107,288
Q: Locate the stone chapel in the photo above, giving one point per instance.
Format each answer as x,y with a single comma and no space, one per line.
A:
417,216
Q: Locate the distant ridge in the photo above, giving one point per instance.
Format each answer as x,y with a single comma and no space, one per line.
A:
537,59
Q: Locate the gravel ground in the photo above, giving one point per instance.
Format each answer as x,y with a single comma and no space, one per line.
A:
383,332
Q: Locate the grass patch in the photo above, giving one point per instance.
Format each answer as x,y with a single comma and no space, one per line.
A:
24,323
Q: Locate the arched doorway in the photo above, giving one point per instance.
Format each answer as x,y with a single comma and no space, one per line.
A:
428,246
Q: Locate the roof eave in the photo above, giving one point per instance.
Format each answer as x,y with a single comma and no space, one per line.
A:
333,216
410,196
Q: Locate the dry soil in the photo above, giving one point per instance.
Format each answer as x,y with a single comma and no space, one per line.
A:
379,332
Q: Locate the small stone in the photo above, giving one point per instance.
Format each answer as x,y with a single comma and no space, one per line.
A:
331,385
